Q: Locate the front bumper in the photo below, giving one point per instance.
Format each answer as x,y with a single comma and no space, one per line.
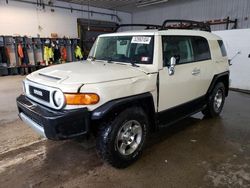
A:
53,124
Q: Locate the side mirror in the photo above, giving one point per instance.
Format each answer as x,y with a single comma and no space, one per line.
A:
173,61
171,69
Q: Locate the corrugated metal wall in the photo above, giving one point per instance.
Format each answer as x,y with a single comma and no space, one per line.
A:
199,10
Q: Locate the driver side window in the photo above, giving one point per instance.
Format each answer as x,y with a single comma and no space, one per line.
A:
179,47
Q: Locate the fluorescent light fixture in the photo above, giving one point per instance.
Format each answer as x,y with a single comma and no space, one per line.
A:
150,2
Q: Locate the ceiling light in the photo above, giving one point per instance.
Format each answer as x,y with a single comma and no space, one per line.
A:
150,2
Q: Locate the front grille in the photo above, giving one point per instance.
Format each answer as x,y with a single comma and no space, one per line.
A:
40,93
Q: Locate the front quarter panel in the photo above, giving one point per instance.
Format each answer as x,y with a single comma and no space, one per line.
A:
121,88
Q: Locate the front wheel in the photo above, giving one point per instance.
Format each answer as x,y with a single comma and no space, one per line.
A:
215,101
120,141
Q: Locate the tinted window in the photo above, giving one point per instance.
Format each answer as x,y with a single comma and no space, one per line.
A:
186,49
222,48
201,49
178,47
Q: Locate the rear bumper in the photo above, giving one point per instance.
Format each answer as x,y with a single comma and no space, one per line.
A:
53,124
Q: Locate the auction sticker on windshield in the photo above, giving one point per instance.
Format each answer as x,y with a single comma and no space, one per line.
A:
141,40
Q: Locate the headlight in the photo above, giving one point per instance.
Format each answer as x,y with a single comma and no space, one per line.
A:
59,99
81,98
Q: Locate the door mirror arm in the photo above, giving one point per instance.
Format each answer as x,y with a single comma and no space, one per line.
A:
171,68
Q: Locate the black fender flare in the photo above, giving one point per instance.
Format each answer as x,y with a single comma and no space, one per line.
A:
145,100
224,77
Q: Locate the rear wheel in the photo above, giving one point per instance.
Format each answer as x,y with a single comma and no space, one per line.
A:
120,141
215,101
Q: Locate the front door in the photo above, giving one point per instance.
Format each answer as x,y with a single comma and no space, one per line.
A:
183,86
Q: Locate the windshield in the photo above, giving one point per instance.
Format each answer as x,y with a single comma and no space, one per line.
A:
128,49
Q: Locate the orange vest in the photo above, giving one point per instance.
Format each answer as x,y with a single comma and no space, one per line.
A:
20,51
64,53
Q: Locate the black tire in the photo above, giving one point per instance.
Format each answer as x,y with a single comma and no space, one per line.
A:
107,141
213,110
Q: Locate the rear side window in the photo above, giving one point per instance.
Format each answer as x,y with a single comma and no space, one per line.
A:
201,49
222,48
186,49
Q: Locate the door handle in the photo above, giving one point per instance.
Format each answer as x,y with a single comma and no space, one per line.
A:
219,61
196,71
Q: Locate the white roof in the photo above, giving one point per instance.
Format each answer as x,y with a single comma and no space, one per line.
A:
180,32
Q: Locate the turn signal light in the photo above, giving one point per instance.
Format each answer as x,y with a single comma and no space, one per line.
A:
81,98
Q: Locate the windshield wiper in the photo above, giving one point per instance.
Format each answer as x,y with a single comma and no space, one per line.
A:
110,60
133,62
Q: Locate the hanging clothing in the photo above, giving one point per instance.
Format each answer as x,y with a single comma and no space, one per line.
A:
38,54
1,58
3,55
69,54
20,54
20,50
57,54
7,52
12,55
64,53
25,56
48,54
30,51
78,53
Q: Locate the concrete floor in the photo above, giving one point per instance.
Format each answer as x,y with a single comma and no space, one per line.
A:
194,153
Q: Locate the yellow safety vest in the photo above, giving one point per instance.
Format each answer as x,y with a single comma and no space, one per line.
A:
78,52
48,53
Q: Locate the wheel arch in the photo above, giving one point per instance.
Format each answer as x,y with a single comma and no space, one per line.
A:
222,77
114,107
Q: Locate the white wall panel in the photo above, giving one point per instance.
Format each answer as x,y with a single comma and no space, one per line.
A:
238,40
25,19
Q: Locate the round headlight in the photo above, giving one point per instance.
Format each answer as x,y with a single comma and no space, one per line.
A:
59,99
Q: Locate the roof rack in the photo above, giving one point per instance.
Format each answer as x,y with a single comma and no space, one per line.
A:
227,21
147,26
185,24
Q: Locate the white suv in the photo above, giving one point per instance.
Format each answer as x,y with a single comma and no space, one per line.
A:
132,83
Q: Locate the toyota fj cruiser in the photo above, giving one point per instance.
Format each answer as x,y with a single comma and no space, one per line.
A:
132,83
